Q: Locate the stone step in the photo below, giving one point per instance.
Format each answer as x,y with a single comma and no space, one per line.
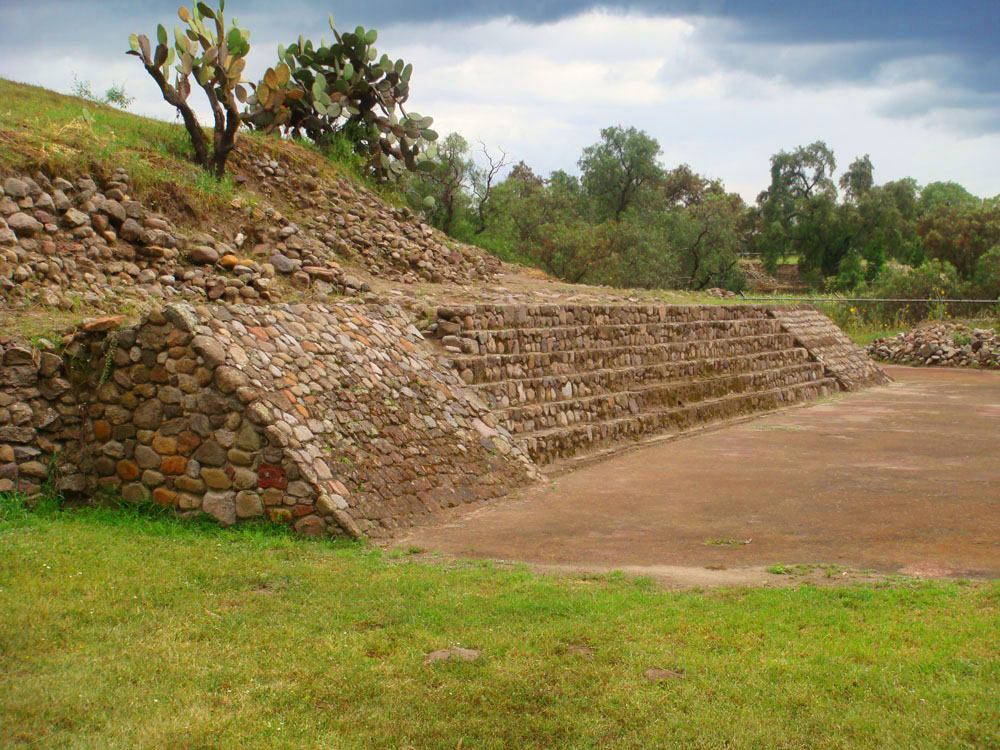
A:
567,338
566,412
496,367
545,446
522,391
496,317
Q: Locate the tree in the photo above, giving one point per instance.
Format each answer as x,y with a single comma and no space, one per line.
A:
483,181
798,210
858,180
705,241
945,195
446,186
345,87
216,58
618,168
960,234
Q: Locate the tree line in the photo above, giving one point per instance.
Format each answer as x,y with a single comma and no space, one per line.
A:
626,220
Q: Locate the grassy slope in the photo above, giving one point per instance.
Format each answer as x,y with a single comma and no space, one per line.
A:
65,135
122,632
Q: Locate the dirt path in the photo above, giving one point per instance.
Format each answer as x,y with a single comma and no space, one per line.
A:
903,479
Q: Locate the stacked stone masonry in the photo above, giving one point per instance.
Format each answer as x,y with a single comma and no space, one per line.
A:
343,419
564,379
843,360
333,419
40,423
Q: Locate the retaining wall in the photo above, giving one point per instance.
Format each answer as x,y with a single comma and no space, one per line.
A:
344,420
571,378
334,419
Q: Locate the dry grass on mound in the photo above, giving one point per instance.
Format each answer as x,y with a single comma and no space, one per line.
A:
65,136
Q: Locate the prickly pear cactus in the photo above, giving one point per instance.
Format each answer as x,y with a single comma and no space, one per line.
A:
215,56
320,90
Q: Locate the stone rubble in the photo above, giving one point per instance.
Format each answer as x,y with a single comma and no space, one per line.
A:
945,344
63,244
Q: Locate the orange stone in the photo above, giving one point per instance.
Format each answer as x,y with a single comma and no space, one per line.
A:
103,324
164,497
102,430
127,470
229,261
187,441
164,445
173,465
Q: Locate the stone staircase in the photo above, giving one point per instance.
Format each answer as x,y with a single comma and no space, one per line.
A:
568,379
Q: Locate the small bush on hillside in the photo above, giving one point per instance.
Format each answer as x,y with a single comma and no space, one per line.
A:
115,95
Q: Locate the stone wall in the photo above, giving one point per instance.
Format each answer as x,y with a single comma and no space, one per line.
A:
343,419
334,419
40,422
569,378
841,358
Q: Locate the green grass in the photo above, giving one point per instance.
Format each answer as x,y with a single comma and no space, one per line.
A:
67,136
122,629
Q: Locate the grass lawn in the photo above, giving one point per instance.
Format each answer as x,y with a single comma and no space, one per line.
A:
122,630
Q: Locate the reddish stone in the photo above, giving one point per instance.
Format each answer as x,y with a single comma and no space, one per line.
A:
302,510
127,470
102,430
173,465
269,475
164,497
310,526
187,441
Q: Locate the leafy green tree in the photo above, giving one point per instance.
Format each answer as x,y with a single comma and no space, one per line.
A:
858,180
443,193
797,207
705,241
938,195
850,273
960,233
618,169
986,277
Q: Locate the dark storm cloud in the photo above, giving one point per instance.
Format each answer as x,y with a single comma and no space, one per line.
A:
805,43
964,28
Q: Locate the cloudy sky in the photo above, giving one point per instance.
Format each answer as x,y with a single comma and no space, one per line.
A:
722,85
